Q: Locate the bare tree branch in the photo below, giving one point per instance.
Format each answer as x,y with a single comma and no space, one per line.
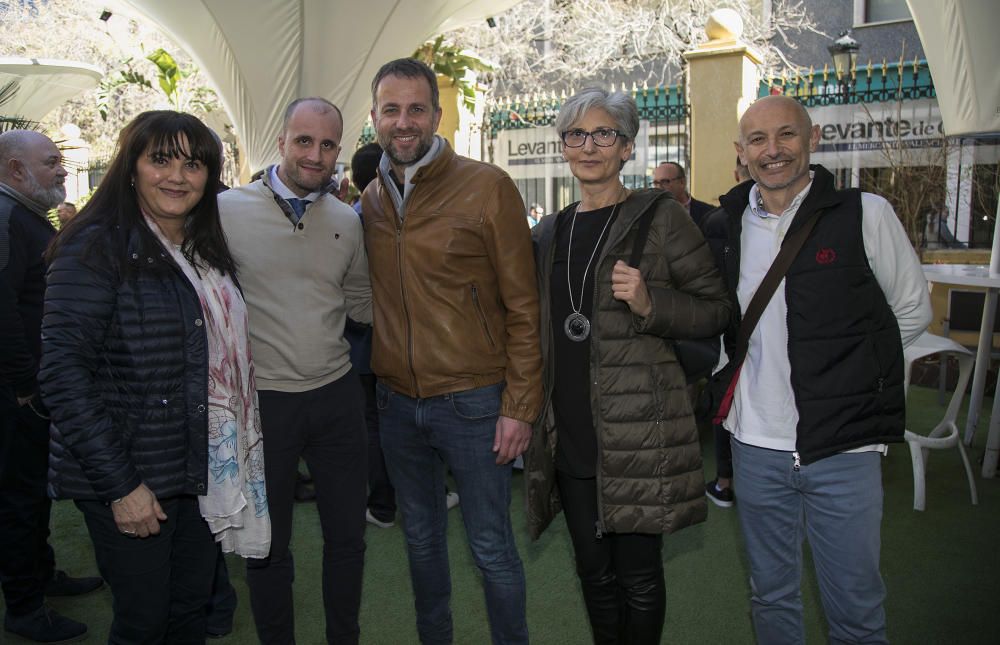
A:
541,45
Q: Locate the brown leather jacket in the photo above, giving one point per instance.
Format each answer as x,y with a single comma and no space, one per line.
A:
455,302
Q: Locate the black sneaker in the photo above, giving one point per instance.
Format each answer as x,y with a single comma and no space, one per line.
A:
217,632
45,626
720,496
63,585
382,524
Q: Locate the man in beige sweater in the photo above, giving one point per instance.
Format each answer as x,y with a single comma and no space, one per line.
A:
303,271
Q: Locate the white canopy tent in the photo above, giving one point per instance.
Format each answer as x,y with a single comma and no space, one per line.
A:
261,55
42,84
962,51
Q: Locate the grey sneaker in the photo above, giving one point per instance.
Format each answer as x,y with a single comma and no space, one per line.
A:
451,500
45,626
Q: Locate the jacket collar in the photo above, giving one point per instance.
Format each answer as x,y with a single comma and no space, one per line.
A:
282,203
438,159
822,195
637,203
438,166
433,169
25,201
324,190
409,173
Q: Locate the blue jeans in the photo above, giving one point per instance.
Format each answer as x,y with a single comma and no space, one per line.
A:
420,438
835,503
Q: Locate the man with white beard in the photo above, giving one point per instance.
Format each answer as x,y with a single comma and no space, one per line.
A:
31,182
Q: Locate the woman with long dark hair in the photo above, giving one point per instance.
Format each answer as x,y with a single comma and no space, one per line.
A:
146,370
616,448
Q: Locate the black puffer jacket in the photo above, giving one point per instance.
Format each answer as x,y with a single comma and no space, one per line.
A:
649,475
124,373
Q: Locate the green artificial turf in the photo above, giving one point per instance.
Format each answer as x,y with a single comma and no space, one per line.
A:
941,568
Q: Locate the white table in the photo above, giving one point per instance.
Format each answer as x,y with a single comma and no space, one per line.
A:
977,276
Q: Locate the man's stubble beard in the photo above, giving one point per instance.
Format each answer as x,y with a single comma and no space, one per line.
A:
422,149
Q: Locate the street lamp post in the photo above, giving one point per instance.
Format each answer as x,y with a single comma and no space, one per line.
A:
844,52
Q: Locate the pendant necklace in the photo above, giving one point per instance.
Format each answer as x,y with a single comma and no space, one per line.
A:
576,326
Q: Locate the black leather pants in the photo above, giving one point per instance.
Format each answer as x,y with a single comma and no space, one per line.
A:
621,573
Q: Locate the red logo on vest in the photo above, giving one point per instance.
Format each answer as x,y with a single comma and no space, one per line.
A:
825,256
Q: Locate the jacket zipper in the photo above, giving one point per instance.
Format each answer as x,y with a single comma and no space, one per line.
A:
599,526
406,309
482,316
658,401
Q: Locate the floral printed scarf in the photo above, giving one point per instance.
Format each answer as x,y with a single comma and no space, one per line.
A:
235,506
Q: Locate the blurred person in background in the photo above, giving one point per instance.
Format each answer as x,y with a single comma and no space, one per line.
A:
65,211
670,177
381,510
720,490
32,181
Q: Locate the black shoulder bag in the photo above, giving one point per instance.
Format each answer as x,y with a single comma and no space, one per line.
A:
697,356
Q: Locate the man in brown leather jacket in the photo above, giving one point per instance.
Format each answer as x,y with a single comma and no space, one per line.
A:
455,346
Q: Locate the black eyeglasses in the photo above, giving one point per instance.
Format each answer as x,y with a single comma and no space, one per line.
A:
602,137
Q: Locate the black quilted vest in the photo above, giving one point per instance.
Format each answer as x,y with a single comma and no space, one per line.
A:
843,340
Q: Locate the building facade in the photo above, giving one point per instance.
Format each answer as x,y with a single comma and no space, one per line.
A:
879,123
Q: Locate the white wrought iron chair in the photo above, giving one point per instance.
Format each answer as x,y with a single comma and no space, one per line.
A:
945,434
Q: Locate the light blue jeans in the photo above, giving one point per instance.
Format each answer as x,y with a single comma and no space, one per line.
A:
420,438
835,503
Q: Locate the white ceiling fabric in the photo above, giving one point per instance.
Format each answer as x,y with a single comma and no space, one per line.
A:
962,48
262,54
44,84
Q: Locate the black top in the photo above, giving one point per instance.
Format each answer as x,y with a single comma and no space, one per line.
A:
576,443
24,236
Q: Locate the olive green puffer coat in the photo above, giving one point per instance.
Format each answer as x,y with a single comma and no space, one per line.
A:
649,472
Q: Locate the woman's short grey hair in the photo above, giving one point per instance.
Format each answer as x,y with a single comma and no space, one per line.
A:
621,107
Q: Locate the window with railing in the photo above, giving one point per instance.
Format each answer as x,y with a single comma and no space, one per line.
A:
875,11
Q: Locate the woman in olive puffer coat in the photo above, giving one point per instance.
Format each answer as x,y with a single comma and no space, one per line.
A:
616,448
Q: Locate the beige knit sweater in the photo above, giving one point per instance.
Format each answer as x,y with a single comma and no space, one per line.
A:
300,282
